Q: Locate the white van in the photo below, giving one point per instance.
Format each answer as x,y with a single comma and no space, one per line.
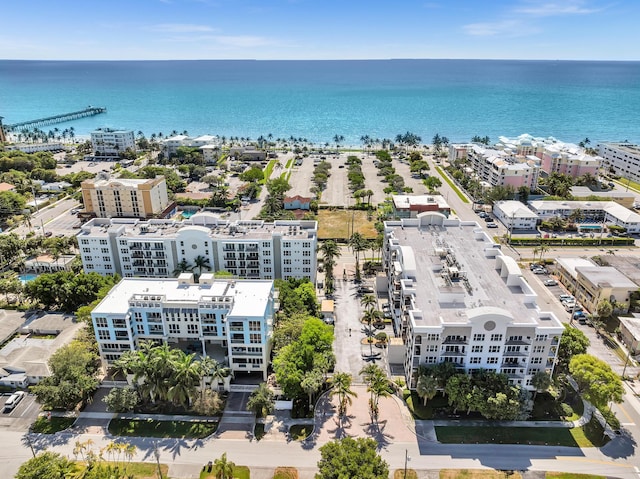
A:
13,401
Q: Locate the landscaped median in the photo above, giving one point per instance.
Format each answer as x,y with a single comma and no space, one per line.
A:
589,435
453,186
163,429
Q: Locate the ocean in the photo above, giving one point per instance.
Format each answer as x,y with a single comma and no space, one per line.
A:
317,100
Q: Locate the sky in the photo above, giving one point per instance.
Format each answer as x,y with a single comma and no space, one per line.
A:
319,29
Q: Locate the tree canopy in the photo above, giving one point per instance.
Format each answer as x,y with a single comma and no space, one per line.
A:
350,457
598,383
572,342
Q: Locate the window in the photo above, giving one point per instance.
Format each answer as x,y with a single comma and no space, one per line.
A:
254,325
104,335
474,360
255,338
496,337
174,328
433,337
101,322
476,349
536,360
494,349
430,359
541,337
286,253
478,337
492,360
538,349
192,329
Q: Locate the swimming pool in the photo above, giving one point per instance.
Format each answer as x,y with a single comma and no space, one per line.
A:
25,278
187,214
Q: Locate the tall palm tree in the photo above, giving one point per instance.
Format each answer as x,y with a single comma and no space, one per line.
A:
427,387
185,378
200,262
223,467
330,251
342,388
358,244
368,301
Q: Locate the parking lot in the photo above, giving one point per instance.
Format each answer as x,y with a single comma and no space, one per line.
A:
22,416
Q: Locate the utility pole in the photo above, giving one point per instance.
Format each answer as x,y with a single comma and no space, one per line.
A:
406,460
156,453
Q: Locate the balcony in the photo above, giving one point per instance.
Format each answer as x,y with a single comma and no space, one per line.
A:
515,354
452,354
518,342
455,340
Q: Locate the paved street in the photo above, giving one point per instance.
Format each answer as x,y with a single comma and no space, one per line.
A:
55,218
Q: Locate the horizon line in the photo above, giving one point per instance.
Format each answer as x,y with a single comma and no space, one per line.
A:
313,59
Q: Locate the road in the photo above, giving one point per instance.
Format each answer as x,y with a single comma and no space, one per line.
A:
55,218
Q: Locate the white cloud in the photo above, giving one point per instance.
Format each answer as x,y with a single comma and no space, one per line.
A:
180,28
509,28
554,9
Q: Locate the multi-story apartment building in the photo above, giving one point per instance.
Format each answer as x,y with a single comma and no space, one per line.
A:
455,297
209,144
621,159
556,156
591,283
493,167
119,197
159,248
229,320
605,212
109,142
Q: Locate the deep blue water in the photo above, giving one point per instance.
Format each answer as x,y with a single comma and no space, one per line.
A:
318,99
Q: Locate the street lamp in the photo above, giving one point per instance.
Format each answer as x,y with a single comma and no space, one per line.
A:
156,453
406,460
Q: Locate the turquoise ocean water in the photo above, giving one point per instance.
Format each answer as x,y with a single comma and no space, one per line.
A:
319,99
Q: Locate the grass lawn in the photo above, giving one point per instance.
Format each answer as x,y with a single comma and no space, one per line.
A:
268,170
478,474
289,163
56,424
152,428
141,470
446,178
239,472
590,435
285,473
547,408
334,224
299,432
399,474
570,475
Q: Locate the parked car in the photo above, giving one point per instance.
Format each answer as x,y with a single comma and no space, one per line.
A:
488,219
482,214
13,401
550,282
566,297
540,271
492,225
579,314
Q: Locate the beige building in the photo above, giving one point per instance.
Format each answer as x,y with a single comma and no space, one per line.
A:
591,283
126,197
630,332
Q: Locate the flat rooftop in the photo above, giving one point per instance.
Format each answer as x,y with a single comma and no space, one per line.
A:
250,297
206,222
464,247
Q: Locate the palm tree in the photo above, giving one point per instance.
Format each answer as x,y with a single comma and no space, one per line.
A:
427,387
312,382
330,251
368,301
342,388
200,262
357,244
377,384
261,400
185,378
543,249
182,267
219,372
223,467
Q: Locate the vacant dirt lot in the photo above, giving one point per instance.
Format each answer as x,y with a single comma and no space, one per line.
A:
337,224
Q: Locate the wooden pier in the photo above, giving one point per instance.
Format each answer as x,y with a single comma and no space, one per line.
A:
50,120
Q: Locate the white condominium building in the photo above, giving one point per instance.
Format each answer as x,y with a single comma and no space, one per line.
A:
162,248
622,159
229,320
455,297
109,142
606,212
119,197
